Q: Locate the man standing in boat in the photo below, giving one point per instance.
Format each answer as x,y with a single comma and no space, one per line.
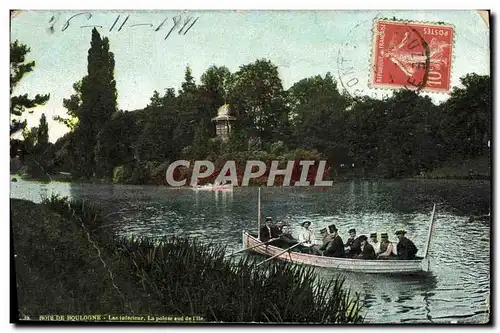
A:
406,250
335,247
268,230
353,244
367,251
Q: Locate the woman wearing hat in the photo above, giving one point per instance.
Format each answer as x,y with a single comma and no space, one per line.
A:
386,247
307,238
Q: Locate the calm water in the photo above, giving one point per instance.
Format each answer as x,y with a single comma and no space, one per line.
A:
458,288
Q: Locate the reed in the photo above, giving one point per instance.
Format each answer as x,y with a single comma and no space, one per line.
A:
196,279
179,276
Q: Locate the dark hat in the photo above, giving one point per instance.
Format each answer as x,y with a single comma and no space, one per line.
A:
352,230
384,235
269,218
373,234
332,228
400,232
362,238
305,223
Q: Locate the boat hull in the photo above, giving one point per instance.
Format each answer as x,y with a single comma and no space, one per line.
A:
344,264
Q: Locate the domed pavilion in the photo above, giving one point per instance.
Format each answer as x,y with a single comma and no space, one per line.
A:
223,122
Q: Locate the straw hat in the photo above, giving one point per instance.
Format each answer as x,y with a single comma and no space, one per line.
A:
303,223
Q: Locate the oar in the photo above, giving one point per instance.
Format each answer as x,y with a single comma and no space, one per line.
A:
291,247
252,247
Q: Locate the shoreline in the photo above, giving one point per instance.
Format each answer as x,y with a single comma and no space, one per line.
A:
66,179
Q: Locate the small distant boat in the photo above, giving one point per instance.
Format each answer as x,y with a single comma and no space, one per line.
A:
213,187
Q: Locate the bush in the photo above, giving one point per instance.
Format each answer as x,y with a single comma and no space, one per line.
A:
278,148
142,172
121,174
158,174
302,154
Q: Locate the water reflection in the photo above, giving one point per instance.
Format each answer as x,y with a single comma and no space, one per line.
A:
397,297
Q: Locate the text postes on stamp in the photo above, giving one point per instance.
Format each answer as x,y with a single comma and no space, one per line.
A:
411,55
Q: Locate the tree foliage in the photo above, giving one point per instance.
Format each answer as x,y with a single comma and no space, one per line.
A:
18,69
94,105
399,136
36,151
72,105
258,99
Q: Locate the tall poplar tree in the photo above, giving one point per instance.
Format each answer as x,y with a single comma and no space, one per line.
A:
98,94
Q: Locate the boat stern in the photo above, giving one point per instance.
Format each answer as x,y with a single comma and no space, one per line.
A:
426,264
244,239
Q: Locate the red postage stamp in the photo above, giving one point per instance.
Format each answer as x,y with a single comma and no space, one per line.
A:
414,55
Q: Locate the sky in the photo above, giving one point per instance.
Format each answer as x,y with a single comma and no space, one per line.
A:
300,43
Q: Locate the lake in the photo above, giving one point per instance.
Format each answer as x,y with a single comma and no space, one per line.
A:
457,289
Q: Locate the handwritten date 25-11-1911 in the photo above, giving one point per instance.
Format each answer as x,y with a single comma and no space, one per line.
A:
182,24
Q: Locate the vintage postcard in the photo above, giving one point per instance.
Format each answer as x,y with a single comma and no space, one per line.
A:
250,166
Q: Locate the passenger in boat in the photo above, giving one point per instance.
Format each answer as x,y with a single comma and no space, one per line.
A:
353,244
280,226
386,247
327,234
268,230
406,250
327,237
367,251
335,247
375,243
324,233
307,238
286,239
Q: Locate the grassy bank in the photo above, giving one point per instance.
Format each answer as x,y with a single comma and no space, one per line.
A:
66,263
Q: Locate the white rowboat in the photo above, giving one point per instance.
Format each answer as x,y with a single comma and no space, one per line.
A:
345,264
385,266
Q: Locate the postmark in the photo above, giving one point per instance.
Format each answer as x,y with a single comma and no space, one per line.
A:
353,65
412,55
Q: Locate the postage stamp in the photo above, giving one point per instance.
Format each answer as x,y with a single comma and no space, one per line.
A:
411,55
